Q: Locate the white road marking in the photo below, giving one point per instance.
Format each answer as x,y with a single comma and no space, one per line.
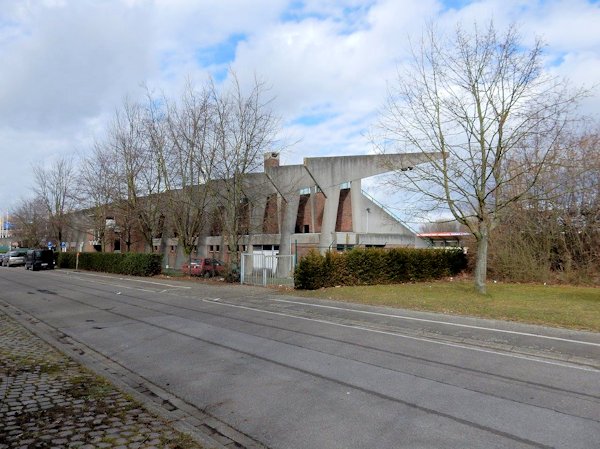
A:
427,340
164,284
447,323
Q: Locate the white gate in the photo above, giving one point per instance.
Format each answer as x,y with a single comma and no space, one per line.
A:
267,268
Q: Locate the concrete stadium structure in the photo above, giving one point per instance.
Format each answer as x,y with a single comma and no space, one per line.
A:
292,208
318,184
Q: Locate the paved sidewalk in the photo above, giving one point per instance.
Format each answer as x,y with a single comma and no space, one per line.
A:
48,400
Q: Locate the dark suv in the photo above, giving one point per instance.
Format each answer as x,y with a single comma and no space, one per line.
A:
39,259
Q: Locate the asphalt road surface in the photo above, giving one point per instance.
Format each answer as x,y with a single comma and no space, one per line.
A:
292,373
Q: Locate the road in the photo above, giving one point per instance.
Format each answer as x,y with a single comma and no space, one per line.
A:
288,372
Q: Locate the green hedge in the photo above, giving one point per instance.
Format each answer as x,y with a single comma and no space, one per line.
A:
134,264
376,266
66,260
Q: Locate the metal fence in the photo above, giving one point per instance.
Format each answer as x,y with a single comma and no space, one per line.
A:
267,268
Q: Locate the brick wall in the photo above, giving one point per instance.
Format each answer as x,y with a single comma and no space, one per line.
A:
270,225
344,213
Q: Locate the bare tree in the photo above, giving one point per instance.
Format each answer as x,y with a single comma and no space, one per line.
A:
214,137
132,165
30,220
182,164
246,128
556,233
187,136
56,187
98,187
477,99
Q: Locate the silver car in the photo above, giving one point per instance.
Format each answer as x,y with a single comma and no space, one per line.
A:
15,258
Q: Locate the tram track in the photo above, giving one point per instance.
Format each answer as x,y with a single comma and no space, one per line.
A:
99,296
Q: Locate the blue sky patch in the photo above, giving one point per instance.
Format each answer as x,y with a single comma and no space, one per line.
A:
455,4
313,119
557,59
349,18
220,74
297,12
221,53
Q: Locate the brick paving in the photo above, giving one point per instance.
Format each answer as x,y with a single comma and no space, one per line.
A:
48,400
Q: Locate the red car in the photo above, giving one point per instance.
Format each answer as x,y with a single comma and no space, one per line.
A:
205,267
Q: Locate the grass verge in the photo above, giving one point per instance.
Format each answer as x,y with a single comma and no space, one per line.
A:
550,305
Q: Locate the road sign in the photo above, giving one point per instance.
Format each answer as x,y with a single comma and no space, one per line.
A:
63,244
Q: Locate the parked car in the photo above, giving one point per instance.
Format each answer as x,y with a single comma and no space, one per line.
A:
205,267
15,258
39,259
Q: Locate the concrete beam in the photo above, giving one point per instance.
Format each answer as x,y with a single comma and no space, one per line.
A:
330,171
289,179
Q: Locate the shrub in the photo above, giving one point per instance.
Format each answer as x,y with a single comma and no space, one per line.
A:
134,264
308,274
365,266
137,264
66,260
231,273
375,266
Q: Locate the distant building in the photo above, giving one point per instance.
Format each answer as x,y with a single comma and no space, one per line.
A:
445,239
5,226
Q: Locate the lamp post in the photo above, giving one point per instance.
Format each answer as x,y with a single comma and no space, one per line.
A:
368,212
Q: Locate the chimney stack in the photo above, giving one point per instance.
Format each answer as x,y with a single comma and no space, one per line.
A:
271,160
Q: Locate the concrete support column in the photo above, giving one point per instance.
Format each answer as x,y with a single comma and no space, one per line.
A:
257,219
357,206
280,204
288,224
257,214
327,239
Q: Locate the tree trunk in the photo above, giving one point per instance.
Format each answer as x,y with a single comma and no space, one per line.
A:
481,261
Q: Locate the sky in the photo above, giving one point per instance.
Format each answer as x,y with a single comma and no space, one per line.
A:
67,65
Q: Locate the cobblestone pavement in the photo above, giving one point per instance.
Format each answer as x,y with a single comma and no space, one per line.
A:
49,401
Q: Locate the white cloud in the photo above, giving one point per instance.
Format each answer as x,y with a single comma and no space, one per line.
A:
67,64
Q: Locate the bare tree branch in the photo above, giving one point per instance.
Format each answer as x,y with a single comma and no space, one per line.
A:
479,99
